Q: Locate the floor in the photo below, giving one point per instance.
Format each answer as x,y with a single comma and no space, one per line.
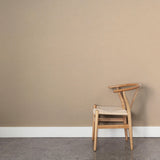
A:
78,149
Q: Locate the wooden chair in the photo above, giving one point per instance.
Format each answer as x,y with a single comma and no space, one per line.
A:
112,114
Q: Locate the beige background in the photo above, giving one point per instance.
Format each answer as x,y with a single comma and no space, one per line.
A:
57,58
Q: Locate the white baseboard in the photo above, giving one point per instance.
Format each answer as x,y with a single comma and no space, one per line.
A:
74,132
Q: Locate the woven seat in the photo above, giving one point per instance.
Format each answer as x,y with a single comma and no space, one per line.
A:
110,110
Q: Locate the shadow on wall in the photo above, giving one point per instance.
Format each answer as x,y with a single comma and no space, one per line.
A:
139,107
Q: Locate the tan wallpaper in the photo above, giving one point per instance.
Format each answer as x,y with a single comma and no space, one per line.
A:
57,58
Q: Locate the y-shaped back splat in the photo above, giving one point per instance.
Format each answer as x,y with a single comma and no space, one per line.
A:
120,89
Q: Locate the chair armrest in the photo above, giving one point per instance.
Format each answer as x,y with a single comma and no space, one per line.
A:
122,85
125,89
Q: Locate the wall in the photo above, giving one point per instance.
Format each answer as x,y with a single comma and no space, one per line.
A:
58,57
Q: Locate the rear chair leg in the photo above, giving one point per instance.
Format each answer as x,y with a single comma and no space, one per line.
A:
125,130
129,120
93,127
126,134
130,131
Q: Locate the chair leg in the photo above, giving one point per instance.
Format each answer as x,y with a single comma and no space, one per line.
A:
126,134
96,130
93,127
93,123
125,130
130,131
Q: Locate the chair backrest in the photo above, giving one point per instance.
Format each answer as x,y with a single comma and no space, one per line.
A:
121,89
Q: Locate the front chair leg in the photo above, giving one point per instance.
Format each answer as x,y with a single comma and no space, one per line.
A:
93,122
96,130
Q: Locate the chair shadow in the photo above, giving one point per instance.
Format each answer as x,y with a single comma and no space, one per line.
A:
139,107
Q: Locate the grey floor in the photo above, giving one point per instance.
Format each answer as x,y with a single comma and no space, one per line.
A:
78,149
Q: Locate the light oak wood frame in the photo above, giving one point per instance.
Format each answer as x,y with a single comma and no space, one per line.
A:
127,120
